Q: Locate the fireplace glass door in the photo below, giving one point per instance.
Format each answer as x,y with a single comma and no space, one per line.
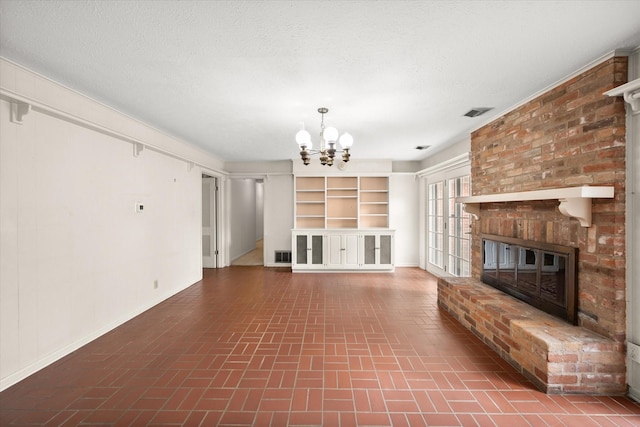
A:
538,274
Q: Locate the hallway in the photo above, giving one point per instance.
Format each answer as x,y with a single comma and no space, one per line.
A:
254,257
265,347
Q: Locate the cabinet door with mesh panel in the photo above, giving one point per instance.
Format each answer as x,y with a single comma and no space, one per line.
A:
308,250
377,250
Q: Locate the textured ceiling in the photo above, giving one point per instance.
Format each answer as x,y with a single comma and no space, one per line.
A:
237,77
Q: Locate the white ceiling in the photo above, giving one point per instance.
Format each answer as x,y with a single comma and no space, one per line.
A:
237,77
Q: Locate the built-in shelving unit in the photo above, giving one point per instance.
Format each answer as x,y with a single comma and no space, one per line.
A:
574,201
374,201
341,224
310,202
342,202
337,202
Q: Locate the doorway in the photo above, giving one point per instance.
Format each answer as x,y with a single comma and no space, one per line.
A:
247,221
209,222
448,236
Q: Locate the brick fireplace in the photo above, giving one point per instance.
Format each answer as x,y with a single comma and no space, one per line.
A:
572,135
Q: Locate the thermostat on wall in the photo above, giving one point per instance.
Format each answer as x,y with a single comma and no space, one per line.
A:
139,207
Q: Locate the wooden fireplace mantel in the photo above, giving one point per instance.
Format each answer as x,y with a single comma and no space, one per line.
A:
575,202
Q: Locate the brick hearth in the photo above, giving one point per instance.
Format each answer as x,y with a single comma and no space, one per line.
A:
554,355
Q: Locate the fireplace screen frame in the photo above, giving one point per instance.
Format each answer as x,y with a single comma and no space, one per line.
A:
548,259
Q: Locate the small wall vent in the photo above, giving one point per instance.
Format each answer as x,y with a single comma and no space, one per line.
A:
282,257
475,112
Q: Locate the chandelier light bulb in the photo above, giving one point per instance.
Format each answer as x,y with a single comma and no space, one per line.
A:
303,138
330,134
346,140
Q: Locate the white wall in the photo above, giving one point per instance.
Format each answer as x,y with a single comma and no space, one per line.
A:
242,220
277,202
278,215
403,217
76,259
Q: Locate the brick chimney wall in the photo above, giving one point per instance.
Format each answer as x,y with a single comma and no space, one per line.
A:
572,135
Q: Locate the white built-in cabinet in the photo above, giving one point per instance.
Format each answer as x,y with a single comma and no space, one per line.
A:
342,250
357,250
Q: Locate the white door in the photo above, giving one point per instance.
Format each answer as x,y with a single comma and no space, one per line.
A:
376,251
209,222
448,226
350,242
342,251
334,251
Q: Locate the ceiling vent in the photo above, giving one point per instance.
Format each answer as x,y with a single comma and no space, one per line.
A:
475,112
422,147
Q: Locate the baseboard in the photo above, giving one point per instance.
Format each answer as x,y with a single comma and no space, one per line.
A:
32,368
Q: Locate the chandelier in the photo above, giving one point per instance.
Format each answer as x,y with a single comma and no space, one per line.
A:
328,143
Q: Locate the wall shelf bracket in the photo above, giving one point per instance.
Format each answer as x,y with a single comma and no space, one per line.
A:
577,208
137,149
472,209
19,109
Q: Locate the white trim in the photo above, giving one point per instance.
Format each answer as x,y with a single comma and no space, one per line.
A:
138,144
33,81
605,57
453,163
256,175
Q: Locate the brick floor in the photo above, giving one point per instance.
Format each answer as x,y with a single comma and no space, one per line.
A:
265,347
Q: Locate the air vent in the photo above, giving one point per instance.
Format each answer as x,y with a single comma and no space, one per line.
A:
282,257
422,147
475,112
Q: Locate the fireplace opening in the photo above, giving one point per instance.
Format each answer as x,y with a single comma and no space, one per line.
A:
540,274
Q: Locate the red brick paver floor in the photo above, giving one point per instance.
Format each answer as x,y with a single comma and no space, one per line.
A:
249,346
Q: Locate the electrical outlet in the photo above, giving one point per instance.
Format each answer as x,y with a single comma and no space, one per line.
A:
155,284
